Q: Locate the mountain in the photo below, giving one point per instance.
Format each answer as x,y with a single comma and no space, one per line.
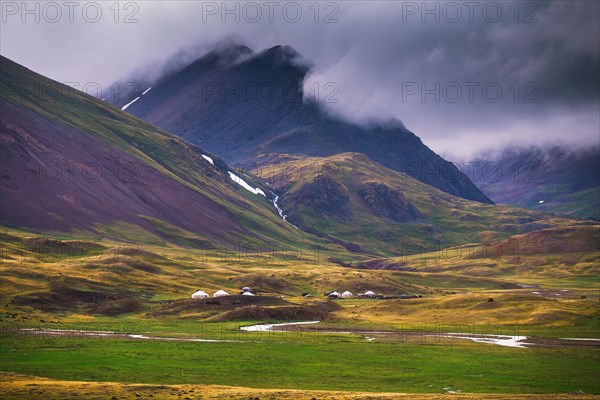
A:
72,163
249,107
553,179
368,208
99,205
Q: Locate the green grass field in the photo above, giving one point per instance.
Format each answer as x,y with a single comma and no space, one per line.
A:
145,290
342,364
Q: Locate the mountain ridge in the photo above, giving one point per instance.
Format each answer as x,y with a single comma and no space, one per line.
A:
80,165
366,207
256,106
555,179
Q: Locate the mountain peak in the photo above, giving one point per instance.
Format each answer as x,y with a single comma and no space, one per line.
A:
283,55
222,55
285,51
232,52
255,106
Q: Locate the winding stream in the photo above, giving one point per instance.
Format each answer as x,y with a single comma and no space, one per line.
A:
499,340
280,210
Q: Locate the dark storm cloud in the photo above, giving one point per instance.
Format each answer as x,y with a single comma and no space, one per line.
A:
437,66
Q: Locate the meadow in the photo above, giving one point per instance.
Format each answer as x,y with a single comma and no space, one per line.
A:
306,362
375,348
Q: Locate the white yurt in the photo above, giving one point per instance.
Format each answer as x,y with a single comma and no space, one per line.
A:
199,295
347,295
247,294
220,293
369,293
246,289
334,294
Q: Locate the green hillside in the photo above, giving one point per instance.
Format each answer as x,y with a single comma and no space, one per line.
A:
164,189
368,208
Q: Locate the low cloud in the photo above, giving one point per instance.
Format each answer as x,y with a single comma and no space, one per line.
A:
462,77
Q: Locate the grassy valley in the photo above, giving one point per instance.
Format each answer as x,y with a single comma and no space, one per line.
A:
52,284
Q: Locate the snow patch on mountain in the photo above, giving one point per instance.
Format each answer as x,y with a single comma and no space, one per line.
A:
245,185
130,103
209,159
126,106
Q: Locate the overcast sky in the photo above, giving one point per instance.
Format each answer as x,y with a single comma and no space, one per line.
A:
464,76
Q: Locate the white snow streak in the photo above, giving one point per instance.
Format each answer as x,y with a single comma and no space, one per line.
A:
128,104
207,158
245,185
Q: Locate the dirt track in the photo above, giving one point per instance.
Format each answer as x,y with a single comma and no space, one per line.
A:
20,387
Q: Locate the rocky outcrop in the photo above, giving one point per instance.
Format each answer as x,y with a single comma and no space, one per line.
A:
386,202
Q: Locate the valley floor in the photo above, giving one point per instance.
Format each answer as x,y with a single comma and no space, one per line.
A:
78,316
309,366
17,387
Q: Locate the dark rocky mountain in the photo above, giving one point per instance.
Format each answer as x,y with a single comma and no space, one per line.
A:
249,107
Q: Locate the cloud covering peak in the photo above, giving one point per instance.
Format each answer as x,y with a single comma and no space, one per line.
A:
464,76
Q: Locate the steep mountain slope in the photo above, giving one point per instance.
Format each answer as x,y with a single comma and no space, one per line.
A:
551,179
247,106
365,207
71,163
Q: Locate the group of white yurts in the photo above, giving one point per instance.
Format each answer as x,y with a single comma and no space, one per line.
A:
348,295
200,294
